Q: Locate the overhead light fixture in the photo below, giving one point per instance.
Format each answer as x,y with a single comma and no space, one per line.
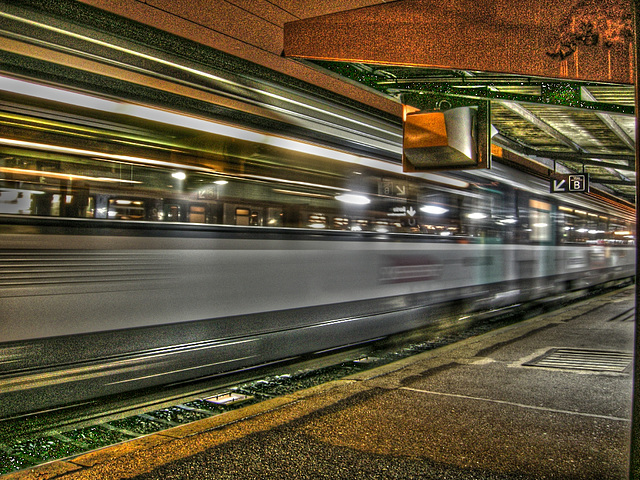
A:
221,182
353,199
477,216
433,209
179,175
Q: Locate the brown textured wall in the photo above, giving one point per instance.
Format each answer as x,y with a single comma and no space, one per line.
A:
580,39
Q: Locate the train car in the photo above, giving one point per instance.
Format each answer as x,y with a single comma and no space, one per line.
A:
142,246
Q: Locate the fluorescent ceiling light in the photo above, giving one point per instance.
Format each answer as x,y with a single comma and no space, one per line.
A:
433,209
353,199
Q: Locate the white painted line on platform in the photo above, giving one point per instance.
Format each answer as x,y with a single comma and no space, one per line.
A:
520,405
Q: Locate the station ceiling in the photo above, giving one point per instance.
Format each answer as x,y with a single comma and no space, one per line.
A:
581,121
570,127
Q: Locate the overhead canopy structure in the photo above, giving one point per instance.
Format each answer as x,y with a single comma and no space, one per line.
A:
502,52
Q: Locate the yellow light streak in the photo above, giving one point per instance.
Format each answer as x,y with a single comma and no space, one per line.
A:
66,176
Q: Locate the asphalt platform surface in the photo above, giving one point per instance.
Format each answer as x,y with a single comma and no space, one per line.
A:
476,409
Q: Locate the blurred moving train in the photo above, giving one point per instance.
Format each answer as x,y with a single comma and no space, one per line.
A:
142,246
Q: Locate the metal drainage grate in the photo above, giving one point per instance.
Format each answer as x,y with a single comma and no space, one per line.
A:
586,360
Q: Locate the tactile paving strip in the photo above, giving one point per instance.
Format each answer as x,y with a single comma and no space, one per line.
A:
587,360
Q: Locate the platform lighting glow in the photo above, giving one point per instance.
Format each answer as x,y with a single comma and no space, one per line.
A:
433,209
477,216
96,155
582,230
509,221
353,199
203,125
445,234
178,66
179,175
540,225
623,232
221,182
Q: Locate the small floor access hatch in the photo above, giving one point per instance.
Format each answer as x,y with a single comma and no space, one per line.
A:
585,360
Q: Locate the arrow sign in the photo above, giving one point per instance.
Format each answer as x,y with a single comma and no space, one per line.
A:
558,186
562,183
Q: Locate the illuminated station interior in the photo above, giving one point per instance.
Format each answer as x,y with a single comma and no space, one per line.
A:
195,190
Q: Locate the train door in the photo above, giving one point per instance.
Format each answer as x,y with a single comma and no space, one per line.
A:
244,216
172,212
197,214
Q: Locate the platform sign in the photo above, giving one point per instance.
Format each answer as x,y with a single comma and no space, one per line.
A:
392,188
569,183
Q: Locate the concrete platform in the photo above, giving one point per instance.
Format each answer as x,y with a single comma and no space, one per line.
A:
476,409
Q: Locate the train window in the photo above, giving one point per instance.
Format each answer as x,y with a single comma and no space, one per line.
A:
55,205
340,223
381,226
125,209
360,225
255,219
274,217
232,182
540,221
317,220
172,213
243,216
197,214
91,208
